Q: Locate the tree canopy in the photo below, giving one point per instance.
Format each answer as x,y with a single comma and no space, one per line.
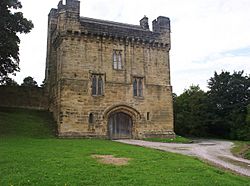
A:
222,111
190,108
7,81
29,82
11,23
229,96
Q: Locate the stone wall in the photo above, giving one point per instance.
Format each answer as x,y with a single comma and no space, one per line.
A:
79,57
23,97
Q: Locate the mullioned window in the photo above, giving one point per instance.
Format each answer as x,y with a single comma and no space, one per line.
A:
138,87
117,59
97,85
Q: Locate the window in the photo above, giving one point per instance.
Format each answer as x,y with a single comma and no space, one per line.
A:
117,59
100,86
138,87
97,85
94,85
91,118
135,87
147,115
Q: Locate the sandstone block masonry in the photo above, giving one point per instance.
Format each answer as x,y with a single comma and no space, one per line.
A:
108,79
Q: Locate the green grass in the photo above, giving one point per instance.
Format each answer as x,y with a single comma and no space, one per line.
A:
242,149
178,139
30,155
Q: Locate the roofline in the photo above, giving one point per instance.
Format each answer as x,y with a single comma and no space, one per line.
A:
112,23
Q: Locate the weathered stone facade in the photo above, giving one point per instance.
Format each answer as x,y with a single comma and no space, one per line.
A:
135,81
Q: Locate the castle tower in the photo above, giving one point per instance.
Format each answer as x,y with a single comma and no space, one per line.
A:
107,79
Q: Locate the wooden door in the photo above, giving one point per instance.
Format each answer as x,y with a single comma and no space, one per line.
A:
120,126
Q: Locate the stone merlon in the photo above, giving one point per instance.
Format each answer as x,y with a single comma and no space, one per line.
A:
161,24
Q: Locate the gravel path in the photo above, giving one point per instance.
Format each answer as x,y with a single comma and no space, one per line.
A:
216,152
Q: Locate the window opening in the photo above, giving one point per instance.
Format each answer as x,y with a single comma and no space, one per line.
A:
135,87
100,86
91,118
117,59
138,87
94,85
97,85
147,115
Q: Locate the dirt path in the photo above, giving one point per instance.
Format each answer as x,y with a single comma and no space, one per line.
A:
216,152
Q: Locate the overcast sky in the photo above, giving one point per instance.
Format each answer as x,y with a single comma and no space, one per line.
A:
207,35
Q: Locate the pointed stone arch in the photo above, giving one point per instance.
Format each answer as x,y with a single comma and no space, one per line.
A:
130,115
135,114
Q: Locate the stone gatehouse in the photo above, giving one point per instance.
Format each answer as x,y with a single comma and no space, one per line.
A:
107,79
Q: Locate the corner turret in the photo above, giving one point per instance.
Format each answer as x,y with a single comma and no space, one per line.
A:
161,24
71,6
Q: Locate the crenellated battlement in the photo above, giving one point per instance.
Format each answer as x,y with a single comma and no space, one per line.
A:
70,11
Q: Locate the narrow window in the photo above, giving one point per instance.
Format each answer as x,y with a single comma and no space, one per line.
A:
100,86
114,60
140,87
119,60
97,85
94,85
147,115
91,118
135,87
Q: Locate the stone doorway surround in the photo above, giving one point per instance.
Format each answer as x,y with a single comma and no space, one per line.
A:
128,113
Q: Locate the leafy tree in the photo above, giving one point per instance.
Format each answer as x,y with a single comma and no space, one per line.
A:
11,23
229,96
29,82
191,112
8,82
243,133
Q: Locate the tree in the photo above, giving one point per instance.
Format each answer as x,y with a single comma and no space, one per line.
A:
11,23
29,82
8,82
244,132
191,112
229,96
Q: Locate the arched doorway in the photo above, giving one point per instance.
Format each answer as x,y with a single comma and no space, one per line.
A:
120,126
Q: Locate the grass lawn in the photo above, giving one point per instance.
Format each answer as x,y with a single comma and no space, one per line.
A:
31,155
242,149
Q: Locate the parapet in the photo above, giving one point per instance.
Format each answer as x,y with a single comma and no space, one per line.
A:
161,24
66,18
71,5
